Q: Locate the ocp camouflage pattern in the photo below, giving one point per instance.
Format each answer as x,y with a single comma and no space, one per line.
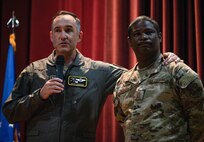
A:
160,104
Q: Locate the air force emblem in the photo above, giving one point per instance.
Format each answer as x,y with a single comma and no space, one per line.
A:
78,81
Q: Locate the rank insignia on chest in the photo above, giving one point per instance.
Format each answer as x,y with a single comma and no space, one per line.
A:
78,81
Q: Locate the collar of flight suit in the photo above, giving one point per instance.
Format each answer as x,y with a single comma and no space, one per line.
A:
78,61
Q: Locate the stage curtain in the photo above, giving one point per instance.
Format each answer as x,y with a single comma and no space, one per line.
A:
104,24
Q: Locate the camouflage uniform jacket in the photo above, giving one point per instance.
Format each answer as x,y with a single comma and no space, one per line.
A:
160,104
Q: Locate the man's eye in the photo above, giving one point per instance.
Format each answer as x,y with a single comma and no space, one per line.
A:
68,30
57,30
135,34
149,32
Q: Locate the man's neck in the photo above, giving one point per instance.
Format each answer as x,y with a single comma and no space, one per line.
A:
143,63
70,58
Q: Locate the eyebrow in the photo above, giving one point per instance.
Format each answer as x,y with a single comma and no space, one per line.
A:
146,29
67,26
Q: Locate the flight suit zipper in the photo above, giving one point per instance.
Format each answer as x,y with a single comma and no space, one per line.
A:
63,99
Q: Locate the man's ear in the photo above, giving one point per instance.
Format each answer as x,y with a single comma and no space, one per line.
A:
51,36
129,41
80,36
160,36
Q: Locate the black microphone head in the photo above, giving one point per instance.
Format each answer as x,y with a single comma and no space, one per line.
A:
60,60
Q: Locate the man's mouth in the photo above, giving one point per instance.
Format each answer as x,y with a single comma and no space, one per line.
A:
64,44
144,44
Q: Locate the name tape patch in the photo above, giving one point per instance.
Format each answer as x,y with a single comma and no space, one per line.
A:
78,81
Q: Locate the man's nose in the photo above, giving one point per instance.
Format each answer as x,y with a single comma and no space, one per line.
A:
63,35
143,36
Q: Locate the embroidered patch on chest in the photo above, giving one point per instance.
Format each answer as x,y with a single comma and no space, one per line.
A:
78,81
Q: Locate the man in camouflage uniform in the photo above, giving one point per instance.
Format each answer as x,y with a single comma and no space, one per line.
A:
157,103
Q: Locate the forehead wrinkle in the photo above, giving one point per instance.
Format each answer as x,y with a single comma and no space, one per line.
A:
143,25
61,19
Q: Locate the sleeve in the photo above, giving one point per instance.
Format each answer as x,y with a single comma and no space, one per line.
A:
21,104
191,93
117,98
114,73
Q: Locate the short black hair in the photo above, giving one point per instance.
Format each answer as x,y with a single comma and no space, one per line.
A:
141,18
63,12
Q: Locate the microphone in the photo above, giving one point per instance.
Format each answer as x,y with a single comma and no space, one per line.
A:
59,62
59,66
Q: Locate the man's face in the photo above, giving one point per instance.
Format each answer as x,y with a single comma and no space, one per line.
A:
145,40
64,35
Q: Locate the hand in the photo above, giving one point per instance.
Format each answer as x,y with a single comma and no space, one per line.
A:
52,86
171,57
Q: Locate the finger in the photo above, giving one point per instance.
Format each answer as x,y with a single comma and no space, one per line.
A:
54,92
166,53
167,59
55,87
179,60
167,56
55,82
55,79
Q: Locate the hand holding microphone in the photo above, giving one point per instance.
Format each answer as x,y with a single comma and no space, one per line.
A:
54,85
